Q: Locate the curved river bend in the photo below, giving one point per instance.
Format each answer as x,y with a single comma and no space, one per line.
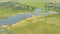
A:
19,17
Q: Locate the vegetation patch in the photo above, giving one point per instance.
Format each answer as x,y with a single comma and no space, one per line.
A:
37,25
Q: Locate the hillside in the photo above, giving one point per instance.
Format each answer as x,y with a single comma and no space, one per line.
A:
11,8
37,25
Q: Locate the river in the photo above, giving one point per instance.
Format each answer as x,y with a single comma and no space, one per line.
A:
19,17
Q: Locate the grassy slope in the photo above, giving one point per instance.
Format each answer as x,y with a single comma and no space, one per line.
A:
10,8
37,25
2,31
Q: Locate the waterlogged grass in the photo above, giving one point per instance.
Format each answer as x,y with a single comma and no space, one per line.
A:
4,13
2,31
37,25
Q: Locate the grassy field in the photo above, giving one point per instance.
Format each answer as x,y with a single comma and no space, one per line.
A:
37,25
4,0
2,31
8,9
35,3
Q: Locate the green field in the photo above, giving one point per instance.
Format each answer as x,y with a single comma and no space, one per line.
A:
8,9
37,25
2,31
35,3
49,24
12,7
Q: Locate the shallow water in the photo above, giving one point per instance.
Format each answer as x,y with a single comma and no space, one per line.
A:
13,19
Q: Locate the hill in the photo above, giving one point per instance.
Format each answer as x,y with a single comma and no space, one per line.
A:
37,25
